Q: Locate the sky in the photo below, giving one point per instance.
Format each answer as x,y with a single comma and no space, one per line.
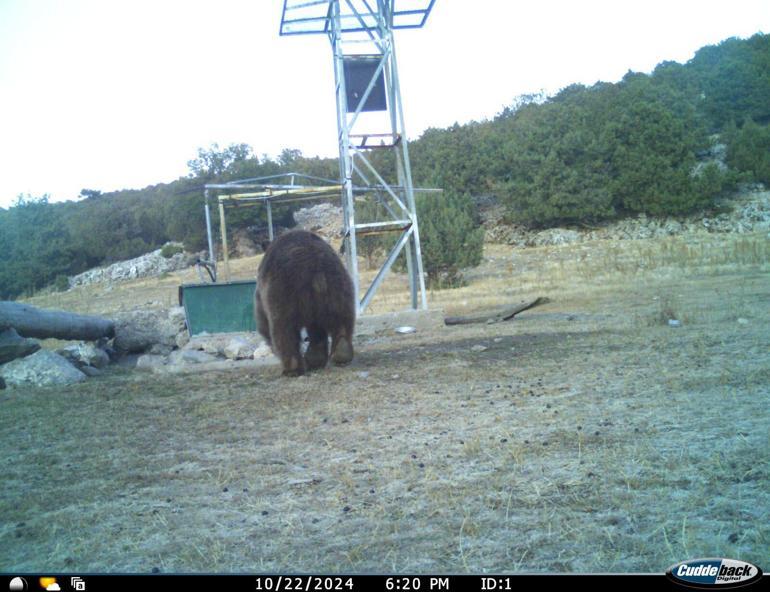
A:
117,94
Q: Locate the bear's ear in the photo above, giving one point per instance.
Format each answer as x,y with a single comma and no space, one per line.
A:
265,244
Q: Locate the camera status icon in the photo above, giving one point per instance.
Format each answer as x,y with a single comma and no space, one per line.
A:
77,584
17,584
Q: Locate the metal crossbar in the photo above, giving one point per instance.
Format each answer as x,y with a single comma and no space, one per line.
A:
307,17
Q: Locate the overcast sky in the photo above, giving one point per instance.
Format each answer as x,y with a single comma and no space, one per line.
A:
114,94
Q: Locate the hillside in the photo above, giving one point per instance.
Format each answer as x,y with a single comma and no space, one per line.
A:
584,155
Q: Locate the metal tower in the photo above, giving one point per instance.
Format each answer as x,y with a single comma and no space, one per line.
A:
369,117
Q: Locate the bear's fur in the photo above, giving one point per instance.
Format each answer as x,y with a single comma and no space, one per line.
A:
302,284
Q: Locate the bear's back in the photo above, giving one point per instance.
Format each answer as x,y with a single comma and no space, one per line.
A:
305,279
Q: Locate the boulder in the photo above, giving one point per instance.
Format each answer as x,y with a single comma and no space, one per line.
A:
206,342
243,244
324,219
190,356
13,346
161,349
150,362
140,330
43,368
234,346
176,315
262,351
85,354
182,338
239,348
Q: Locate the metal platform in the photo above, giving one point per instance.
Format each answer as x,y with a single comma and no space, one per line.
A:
307,17
280,189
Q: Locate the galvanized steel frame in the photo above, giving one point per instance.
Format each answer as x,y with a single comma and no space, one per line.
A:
372,25
398,197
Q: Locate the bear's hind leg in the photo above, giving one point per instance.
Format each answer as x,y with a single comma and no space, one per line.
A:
318,351
286,342
342,346
263,325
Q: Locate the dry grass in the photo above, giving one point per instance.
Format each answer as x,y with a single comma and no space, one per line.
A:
589,436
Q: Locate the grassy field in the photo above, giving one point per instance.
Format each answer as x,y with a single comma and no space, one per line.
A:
589,435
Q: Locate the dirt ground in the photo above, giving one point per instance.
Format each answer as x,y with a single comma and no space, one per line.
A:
589,435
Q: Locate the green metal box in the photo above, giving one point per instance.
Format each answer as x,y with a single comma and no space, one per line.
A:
219,308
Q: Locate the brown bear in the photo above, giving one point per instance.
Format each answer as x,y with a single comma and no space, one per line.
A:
302,284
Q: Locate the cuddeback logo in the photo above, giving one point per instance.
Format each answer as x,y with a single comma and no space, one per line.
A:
714,573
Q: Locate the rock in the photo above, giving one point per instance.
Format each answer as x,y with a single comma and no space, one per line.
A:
43,368
138,331
262,351
177,316
182,339
742,321
239,349
85,354
554,236
212,344
161,349
479,348
150,362
674,323
749,211
13,346
231,345
91,372
147,265
324,219
243,244
190,356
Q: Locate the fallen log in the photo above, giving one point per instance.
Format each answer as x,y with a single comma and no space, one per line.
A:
30,321
496,316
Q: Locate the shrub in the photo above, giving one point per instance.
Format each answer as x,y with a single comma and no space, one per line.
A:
61,283
450,237
748,150
171,249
